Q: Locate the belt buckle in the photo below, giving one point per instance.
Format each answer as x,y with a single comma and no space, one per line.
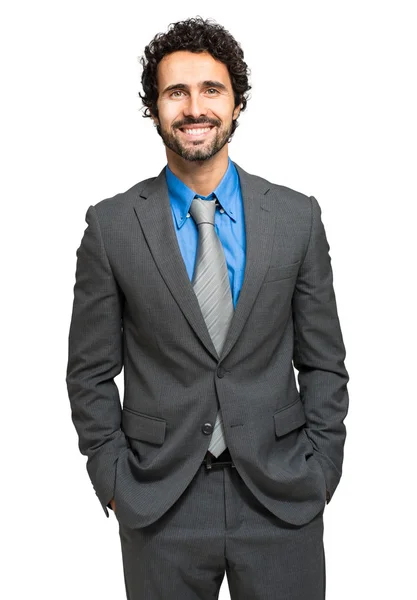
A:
216,465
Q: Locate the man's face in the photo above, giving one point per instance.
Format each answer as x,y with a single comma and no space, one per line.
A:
195,104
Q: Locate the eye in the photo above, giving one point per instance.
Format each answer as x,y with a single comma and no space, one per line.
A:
176,92
212,90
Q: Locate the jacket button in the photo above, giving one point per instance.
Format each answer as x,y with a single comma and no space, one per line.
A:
207,428
221,371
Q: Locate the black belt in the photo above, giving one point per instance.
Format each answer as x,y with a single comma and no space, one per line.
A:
223,460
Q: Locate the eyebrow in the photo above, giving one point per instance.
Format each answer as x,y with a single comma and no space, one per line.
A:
207,83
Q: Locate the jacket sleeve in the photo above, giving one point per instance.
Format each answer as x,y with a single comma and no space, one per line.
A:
95,357
319,354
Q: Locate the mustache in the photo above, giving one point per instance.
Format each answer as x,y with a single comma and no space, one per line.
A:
201,121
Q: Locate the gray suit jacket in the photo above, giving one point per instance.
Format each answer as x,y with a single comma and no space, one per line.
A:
134,307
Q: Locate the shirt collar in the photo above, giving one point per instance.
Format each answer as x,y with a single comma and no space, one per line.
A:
181,195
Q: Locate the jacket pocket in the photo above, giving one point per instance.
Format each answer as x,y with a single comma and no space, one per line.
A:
289,417
142,427
276,273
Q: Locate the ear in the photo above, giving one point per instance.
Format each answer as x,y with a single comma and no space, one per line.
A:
154,119
236,112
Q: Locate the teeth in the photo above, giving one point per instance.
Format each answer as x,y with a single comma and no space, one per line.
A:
197,131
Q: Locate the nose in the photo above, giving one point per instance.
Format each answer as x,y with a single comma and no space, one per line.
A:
194,106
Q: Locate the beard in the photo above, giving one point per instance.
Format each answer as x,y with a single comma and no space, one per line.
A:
200,149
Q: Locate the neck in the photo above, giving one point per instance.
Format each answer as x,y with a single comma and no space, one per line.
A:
202,176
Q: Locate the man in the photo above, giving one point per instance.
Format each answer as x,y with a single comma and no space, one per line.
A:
207,284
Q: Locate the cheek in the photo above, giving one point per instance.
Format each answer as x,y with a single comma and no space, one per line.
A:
169,114
227,114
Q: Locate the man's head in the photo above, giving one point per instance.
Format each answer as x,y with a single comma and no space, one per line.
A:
194,77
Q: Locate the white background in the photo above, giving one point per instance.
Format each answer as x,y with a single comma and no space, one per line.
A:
332,114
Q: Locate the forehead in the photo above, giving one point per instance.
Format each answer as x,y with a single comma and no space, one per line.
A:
189,68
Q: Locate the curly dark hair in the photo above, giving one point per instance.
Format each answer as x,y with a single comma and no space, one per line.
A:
195,35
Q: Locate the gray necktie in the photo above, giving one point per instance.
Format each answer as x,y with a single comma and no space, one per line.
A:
212,287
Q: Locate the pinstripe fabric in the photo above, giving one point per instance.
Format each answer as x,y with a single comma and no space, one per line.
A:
229,224
218,527
212,287
135,309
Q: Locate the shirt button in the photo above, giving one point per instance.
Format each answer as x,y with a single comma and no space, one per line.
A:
222,210
188,215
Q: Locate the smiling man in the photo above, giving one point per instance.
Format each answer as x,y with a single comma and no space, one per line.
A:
195,116
195,119
208,285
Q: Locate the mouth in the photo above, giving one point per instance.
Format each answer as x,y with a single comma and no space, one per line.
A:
196,133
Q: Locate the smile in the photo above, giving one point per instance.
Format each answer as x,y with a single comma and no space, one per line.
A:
197,131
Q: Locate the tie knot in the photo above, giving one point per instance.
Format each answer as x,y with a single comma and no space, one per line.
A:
203,211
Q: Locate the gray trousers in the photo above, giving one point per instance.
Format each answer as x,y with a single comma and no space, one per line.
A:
218,526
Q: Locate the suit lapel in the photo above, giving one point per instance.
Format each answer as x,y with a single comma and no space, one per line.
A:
153,210
259,231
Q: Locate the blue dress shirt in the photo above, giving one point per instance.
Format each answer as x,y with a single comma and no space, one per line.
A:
229,223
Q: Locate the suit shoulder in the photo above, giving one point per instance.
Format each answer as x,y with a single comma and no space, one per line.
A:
290,195
294,203
114,205
278,191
